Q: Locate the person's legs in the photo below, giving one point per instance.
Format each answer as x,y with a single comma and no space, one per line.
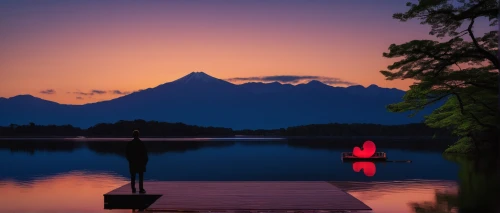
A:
141,181
132,181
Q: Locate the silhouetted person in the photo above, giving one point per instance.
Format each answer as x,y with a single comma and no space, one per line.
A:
137,157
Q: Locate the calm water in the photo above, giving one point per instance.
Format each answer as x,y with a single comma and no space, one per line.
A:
72,175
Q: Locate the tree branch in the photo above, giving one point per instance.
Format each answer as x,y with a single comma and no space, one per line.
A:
481,85
434,101
460,103
463,15
482,103
462,110
487,54
481,123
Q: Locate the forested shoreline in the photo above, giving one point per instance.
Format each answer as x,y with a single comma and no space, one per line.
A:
166,129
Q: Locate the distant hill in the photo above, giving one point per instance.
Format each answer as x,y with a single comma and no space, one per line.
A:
200,99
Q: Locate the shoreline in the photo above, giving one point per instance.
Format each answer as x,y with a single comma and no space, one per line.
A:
236,137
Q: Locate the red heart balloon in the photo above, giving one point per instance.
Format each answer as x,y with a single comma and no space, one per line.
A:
368,168
368,150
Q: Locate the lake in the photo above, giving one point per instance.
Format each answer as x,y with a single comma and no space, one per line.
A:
71,175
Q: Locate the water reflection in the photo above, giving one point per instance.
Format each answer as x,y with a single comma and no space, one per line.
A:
162,145
80,191
72,175
218,160
76,191
478,189
443,202
106,146
394,196
369,168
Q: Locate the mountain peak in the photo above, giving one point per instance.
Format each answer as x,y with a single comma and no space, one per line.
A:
197,77
317,84
23,96
199,74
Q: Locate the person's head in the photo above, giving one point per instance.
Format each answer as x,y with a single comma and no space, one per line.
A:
135,133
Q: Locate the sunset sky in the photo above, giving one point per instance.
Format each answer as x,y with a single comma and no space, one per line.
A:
77,52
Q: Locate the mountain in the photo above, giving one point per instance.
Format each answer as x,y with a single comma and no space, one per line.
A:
201,99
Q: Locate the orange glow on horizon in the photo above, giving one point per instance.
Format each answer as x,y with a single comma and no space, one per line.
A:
137,46
81,46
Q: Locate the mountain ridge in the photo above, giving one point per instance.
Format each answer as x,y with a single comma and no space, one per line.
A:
195,75
200,99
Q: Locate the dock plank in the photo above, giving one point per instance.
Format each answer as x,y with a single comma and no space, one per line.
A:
246,195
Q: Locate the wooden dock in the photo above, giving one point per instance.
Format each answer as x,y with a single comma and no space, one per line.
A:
349,157
234,196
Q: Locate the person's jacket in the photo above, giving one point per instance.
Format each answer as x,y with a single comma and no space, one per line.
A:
137,155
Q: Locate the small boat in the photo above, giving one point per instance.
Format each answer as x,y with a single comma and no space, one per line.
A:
378,156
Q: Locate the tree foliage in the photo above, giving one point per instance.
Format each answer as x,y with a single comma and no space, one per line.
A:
461,71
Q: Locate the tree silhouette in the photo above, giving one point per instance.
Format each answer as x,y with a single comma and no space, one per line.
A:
463,71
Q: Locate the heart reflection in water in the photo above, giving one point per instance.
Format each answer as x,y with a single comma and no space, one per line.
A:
369,168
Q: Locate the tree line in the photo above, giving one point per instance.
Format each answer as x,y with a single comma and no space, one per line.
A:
166,129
